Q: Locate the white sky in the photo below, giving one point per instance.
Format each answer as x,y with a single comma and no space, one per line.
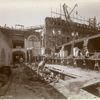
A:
33,12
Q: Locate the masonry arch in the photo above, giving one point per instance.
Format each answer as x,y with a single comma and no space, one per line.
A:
34,37
33,48
32,41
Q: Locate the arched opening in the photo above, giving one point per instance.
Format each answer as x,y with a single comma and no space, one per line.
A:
16,55
33,48
33,37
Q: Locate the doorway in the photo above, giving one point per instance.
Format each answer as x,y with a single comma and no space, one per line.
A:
16,55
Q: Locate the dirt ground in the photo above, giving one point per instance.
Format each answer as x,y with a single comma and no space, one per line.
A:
26,85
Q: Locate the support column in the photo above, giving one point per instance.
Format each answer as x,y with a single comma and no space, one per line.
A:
25,46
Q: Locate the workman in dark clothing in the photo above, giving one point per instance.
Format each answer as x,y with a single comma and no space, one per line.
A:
21,60
41,65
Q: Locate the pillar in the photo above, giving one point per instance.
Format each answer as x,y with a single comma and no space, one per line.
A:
25,47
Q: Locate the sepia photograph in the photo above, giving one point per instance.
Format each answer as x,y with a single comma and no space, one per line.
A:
49,49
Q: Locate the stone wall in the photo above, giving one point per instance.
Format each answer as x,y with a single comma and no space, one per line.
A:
56,32
5,50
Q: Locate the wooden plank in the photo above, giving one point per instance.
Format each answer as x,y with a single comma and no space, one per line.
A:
80,40
92,82
59,68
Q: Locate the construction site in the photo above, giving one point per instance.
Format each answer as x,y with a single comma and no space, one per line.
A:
57,60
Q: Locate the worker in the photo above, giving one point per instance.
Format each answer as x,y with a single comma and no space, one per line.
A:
41,65
86,52
96,65
21,60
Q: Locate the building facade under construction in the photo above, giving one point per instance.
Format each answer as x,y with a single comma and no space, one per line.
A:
61,61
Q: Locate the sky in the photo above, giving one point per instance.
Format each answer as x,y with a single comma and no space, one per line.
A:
33,12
